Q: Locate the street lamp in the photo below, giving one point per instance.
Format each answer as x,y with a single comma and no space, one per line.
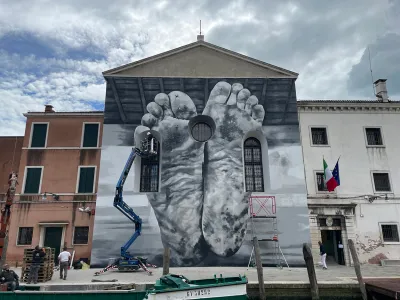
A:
55,196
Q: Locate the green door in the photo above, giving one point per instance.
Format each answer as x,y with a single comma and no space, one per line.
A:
52,239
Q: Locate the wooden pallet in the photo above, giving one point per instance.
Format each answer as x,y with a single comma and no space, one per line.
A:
46,270
43,271
43,263
42,277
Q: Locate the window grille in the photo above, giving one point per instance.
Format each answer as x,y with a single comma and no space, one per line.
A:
254,177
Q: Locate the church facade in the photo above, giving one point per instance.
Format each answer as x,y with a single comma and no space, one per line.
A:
229,151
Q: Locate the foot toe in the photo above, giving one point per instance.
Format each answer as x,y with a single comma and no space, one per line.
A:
220,93
236,88
250,103
155,109
242,97
149,120
182,106
137,135
163,101
258,113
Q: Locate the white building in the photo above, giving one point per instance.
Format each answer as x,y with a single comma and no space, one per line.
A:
366,206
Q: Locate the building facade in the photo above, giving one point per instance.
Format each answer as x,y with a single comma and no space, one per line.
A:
58,174
366,205
227,128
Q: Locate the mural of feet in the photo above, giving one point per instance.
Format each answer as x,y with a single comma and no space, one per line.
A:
225,210
178,205
195,218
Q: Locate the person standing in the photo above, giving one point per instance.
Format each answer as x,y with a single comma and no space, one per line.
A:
37,259
64,259
322,252
340,253
10,278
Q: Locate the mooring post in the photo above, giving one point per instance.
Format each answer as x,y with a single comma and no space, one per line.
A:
166,259
259,268
357,268
308,258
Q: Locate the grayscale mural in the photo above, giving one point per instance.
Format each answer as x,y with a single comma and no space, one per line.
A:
221,140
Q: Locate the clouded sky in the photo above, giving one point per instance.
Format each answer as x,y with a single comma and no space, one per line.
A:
54,51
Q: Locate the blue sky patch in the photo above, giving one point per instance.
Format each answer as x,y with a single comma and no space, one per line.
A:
25,44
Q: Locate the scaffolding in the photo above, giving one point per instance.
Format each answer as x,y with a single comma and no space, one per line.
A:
263,208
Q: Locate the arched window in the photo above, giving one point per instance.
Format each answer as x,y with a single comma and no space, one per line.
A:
253,165
149,174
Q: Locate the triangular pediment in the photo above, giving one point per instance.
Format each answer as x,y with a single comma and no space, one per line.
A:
200,59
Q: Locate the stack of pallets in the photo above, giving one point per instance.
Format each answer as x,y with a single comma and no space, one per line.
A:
46,267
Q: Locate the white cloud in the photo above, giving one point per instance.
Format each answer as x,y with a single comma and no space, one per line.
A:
321,41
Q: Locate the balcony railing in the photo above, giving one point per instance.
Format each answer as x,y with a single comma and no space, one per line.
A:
50,197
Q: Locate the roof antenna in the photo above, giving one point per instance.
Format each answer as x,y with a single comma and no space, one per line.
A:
200,37
370,68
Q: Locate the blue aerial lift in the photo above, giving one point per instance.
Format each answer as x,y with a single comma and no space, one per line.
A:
126,261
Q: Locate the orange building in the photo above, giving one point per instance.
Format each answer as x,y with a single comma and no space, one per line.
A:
58,174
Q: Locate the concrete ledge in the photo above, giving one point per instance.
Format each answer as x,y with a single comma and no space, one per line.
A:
390,262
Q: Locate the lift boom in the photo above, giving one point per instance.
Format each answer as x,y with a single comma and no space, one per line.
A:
126,261
121,205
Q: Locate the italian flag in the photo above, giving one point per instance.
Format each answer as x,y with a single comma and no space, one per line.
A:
330,181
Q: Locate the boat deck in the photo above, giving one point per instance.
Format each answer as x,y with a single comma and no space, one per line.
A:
383,288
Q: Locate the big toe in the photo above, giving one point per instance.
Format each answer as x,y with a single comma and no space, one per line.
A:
182,106
220,93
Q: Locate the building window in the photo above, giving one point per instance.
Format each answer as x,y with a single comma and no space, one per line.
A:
86,180
90,135
374,136
390,233
319,136
38,135
253,165
321,185
25,236
202,132
149,175
81,235
381,182
33,178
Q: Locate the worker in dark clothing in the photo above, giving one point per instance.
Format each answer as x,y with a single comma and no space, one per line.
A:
10,278
37,259
322,252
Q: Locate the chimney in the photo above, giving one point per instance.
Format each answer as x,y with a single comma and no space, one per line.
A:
381,91
48,108
200,37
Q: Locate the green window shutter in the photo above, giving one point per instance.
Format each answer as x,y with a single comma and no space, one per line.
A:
39,135
90,135
32,180
86,180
